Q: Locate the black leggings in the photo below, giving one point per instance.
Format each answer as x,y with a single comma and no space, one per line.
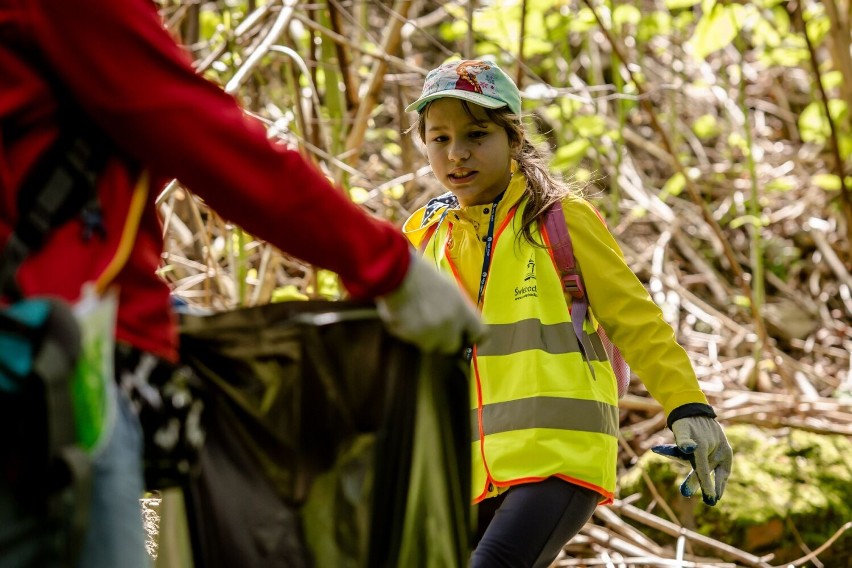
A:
528,525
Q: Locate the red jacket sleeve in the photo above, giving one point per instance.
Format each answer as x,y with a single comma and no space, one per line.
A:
137,84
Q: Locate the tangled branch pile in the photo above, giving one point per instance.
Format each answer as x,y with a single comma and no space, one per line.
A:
724,184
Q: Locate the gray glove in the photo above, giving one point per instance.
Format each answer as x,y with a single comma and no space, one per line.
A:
700,441
429,311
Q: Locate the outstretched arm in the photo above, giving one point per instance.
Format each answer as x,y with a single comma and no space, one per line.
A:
124,69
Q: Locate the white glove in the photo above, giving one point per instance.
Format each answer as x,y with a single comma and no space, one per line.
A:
700,441
429,311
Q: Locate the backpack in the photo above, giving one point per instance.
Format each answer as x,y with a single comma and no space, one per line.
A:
572,281
40,344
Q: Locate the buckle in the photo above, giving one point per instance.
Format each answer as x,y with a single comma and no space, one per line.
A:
573,285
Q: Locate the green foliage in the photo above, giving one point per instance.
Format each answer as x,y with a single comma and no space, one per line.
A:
782,257
569,155
750,220
706,126
209,21
813,122
653,24
287,293
691,56
717,28
780,184
673,186
829,182
624,15
583,22
329,80
680,4
816,22
796,480
589,126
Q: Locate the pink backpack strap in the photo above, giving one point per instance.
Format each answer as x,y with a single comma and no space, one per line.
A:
572,281
563,253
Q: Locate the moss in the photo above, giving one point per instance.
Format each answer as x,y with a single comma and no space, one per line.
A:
784,483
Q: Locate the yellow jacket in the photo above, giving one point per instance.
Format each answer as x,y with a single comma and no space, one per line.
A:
539,407
617,298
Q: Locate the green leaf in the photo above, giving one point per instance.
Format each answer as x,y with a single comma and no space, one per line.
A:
583,22
358,194
828,182
706,126
287,293
782,184
395,191
715,30
746,220
570,154
589,126
832,79
813,124
680,4
208,20
455,30
673,186
818,26
765,33
845,145
786,56
328,284
582,175
736,140
625,14
654,24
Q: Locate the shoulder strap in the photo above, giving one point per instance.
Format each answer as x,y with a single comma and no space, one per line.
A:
572,280
61,185
563,251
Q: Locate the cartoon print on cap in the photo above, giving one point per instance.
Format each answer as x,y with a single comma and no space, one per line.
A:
467,71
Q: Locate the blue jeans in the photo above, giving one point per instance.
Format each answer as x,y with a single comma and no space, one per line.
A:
114,536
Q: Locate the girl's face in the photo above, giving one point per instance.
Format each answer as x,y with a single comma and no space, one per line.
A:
470,156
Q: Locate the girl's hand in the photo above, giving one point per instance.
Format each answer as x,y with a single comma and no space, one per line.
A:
700,442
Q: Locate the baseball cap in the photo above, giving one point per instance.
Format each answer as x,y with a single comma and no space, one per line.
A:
480,82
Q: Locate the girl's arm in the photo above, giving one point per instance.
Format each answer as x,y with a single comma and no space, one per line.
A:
632,320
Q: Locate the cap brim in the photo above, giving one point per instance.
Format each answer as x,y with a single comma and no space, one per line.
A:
476,98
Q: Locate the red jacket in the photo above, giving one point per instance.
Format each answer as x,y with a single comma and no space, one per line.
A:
119,64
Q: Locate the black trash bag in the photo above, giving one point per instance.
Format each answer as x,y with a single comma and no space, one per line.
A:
329,442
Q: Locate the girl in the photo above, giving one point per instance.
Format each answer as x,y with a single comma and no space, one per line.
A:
544,417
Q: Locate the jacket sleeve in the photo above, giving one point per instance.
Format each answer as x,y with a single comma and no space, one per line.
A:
632,320
119,63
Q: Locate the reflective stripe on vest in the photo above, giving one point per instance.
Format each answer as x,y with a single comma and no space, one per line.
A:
537,409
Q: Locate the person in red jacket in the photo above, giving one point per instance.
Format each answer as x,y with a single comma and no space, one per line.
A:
114,65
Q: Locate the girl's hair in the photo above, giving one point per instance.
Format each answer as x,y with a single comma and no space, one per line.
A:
542,189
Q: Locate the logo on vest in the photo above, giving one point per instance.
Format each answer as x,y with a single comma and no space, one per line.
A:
530,271
528,288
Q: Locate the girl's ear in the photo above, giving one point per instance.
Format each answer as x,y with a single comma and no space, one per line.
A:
515,144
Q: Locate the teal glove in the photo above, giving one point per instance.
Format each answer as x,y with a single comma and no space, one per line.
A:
430,311
700,442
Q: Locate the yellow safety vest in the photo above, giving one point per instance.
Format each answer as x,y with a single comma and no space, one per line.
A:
537,409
